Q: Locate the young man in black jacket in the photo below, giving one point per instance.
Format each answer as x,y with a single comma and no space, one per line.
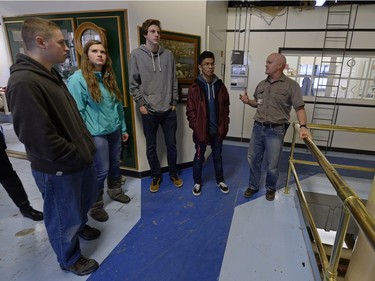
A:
58,145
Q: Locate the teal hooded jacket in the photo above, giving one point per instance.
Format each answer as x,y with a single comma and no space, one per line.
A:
101,118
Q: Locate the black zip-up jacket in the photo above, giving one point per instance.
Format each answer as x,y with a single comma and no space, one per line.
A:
3,145
46,119
197,111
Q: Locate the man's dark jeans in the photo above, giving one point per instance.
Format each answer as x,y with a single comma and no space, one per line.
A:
168,123
200,149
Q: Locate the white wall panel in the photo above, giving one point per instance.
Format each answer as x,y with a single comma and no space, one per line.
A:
314,18
356,117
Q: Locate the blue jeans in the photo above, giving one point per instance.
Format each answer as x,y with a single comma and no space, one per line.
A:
200,149
168,122
67,199
107,157
266,142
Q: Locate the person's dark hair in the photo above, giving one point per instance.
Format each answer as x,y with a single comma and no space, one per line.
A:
204,55
33,27
109,78
148,23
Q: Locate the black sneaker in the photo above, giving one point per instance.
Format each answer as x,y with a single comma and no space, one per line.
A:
249,192
155,184
197,189
270,195
89,233
82,266
223,187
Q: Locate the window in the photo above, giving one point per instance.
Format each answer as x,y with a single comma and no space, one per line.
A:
357,70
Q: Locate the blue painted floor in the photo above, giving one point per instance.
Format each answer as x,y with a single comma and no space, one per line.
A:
172,235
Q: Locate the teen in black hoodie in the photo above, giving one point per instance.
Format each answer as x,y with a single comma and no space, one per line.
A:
58,145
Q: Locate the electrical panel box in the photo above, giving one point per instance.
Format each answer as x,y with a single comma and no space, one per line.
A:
238,57
239,70
238,82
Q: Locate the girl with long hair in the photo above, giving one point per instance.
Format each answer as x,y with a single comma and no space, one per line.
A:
98,98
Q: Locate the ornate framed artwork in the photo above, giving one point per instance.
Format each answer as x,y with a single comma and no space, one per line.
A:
185,48
88,31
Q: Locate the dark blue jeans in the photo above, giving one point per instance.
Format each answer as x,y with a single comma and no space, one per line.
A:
67,199
168,123
200,149
107,157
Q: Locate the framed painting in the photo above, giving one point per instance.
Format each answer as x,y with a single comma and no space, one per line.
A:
186,49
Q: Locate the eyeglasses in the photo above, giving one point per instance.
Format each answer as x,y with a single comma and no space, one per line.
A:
209,64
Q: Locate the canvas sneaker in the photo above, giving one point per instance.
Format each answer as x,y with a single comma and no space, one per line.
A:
177,181
197,189
155,184
223,187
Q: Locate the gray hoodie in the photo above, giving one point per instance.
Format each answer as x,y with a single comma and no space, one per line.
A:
153,81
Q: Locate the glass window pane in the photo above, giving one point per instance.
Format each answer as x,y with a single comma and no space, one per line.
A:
372,71
355,89
333,75
358,66
342,90
291,65
306,65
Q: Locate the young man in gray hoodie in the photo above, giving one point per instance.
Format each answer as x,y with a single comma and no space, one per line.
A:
153,85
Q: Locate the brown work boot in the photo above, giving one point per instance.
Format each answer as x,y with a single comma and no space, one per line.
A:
89,233
97,211
250,192
270,195
177,181
155,184
115,191
82,266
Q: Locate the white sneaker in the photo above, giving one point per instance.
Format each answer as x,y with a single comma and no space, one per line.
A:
223,187
197,189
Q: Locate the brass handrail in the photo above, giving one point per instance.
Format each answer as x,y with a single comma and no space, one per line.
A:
353,205
342,128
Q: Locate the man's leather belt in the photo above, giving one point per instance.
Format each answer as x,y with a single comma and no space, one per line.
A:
269,125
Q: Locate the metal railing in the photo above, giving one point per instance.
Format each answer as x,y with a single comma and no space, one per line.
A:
353,206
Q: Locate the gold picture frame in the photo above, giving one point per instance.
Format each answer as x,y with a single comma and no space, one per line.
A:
88,31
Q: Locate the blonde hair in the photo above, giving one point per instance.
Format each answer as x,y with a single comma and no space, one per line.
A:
109,77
